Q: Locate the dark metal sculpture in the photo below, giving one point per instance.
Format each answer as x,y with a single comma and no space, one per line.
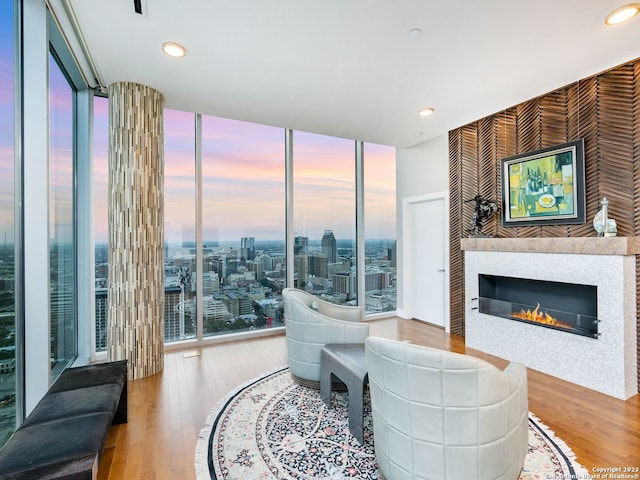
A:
483,211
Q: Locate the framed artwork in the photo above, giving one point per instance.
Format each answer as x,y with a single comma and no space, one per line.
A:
544,187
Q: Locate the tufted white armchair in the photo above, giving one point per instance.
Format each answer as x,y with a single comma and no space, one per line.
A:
310,323
443,415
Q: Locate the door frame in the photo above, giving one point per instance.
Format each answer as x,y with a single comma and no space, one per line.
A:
407,260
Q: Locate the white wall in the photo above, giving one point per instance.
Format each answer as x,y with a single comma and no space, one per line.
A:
420,170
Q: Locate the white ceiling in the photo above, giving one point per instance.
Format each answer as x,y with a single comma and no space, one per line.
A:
350,68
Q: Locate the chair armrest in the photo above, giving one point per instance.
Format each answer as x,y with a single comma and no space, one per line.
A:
517,371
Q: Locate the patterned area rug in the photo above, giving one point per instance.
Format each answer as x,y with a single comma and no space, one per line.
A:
272,428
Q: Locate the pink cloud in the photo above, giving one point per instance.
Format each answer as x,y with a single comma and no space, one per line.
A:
243,181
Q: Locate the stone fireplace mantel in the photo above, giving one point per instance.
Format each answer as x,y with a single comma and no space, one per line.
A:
607,363
581,245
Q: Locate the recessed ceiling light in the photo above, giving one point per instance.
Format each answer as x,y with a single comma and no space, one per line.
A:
425,112
173,49
415,32
622,14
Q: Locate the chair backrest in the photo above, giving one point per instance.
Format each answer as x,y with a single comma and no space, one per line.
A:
443,415
299,295
338,312
295,302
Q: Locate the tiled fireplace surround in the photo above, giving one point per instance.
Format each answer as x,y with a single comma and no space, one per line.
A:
607,364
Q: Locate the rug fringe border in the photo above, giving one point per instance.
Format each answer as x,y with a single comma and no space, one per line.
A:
580,471
201,463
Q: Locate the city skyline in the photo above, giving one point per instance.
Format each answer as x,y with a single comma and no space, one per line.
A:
243,281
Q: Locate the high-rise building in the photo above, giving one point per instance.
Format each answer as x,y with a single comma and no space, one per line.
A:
237,302
300,245
102,270
302,270
230,266
256,266
376,279
266,261
344,283
173,314
210,283
247,249
101,319
391,255
62,303
318,265
329,247
210,263
278,261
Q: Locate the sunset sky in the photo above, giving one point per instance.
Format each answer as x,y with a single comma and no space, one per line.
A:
243,175
6,126
244,179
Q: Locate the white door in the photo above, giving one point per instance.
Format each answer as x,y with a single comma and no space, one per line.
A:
428,249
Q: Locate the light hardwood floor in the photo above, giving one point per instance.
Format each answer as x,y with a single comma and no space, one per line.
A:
167,410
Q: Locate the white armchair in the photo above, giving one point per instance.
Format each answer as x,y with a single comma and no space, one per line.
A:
443,415
310,323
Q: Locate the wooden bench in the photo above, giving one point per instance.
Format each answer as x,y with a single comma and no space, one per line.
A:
63,437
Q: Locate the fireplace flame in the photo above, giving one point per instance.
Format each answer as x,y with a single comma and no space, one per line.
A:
540,317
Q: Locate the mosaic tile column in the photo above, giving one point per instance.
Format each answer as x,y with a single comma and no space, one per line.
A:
136,216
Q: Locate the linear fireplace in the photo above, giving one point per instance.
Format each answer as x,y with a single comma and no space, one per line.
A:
500,271
568,307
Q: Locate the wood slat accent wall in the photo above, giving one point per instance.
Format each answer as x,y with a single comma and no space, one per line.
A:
604,110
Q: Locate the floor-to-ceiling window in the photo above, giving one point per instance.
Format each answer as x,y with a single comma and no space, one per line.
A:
242,194
180,306
62,268
324,216
7,226
100,216
380,228
242,259
243,225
